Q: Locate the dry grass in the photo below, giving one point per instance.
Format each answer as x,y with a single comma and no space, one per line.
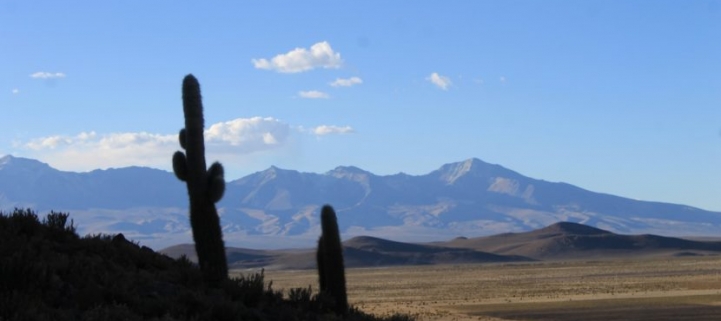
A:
652,289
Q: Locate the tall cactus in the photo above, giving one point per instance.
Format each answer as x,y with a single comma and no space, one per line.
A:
320,253
205,188
331,270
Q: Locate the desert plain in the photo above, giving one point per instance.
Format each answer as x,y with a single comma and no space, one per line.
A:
660,288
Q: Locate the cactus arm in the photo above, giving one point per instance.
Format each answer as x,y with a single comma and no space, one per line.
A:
216,182
180,168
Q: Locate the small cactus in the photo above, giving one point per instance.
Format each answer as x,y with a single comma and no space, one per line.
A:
331,270
205,187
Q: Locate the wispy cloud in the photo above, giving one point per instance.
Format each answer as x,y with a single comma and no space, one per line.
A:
441,82
320,55
330,129
313,94
47,75
229,140
502,79
59,141
348,82
16,91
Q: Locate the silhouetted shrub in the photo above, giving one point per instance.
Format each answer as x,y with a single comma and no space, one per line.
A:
300,296
248,289
58,221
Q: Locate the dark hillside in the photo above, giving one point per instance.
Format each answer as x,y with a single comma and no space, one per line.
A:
48,272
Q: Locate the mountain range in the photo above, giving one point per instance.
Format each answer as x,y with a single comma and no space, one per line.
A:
278,208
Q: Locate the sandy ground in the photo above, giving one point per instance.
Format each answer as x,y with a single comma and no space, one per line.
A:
652,289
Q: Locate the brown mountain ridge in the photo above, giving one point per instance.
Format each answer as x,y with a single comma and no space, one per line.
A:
361,251
566,240
559,241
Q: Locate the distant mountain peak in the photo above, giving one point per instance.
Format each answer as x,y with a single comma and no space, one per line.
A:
351,169
5,159
9,161
274,172
450,173
348,171
277,170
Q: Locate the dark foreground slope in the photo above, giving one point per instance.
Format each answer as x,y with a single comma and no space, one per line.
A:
48,272
566,240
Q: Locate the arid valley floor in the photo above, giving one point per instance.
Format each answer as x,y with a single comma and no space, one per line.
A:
667,288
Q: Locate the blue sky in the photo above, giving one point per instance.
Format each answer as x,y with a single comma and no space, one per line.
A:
621,97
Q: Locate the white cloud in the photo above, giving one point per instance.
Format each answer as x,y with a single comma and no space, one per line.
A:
247,135
16,91
330,129
442,82
47,75
340,82
89,150
320,55
313,94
